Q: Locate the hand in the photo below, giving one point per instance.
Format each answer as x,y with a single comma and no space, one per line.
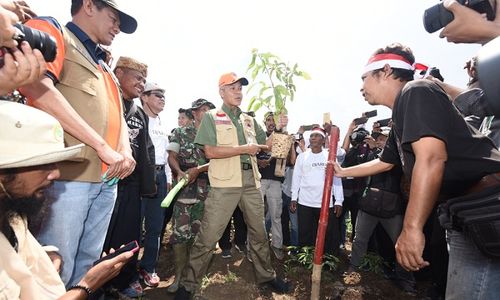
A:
339,171
180,175
101,273
22,10
21,68
327,127
56,259
469,26
370,141
351,127
7,19
253,149
337,209
409,249
293,206
129,163
193,174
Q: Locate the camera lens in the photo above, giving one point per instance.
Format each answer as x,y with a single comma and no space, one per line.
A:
436,17
39,40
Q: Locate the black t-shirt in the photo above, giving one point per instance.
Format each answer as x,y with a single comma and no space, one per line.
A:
423,109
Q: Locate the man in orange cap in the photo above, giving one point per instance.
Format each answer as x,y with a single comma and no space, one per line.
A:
231,139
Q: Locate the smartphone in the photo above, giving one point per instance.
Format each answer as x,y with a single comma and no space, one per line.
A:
307,127
359,121
384,122
326,118
370,114
132,246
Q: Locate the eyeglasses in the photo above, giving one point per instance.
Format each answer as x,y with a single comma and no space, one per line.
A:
158,95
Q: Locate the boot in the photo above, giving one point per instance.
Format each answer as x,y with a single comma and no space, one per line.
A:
181,252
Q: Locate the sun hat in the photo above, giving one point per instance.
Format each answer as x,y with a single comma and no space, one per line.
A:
31,137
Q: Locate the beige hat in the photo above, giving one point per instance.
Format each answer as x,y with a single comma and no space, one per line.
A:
130,63
30,137
151,86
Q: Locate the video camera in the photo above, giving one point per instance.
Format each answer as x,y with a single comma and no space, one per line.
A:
358,136
437,17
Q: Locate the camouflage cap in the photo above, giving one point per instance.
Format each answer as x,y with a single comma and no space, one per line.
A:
200,102
133,64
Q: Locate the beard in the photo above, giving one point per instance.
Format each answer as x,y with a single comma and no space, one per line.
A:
34,208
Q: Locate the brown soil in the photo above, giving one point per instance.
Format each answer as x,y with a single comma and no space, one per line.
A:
234,277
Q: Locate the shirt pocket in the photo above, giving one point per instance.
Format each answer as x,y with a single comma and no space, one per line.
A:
225,135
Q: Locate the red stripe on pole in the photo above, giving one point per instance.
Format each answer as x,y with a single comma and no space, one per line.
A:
327,196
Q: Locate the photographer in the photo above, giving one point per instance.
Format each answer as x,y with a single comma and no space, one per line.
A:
358,151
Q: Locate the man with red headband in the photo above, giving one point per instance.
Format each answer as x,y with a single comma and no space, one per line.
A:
441,156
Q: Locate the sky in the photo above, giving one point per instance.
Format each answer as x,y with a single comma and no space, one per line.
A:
188,44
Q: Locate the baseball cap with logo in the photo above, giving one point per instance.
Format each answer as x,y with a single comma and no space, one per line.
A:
151,86
200,102
31,137
230,78
127,23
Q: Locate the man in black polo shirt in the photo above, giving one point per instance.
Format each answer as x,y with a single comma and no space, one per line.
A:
441,156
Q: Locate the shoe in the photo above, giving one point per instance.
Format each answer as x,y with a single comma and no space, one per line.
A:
407,287
226,253
278,252
241,249
279,285
182,294
150,279
134,290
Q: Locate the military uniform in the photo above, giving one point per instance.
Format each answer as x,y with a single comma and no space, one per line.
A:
234,181
188,208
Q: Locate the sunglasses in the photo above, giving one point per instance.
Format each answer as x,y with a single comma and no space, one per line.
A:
158,95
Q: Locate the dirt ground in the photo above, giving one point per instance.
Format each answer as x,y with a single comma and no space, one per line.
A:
234,277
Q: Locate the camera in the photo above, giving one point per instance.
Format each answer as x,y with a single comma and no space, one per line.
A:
358,136
37,40
298,136
437,17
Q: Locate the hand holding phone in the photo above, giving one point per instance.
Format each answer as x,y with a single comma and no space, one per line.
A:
132,246
370,114
384,122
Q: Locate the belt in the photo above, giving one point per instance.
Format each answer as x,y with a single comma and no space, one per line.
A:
246,166
160,167
485,182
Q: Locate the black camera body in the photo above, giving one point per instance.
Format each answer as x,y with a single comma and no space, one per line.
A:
358,136
437,17
37,40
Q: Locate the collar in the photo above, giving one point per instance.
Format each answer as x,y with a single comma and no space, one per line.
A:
93,48
230,112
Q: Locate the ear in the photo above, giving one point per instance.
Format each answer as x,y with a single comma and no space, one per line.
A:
221,92
387,70
119,73
88,7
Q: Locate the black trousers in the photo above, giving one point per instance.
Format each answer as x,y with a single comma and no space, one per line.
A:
124,227
240,231
351,204
308,218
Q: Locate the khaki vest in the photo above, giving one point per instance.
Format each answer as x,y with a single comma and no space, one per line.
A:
226,172
83,84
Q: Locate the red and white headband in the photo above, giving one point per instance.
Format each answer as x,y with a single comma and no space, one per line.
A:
378,61
318,131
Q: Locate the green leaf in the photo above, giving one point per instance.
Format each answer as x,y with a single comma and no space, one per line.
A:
252,101
282,90
252,63
305,75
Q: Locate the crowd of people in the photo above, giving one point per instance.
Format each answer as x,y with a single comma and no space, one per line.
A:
86,161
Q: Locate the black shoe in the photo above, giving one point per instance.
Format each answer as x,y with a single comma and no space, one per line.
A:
279,285
182,294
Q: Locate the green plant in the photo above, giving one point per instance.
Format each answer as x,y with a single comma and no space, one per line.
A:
231,276
276,82
304,257
372,262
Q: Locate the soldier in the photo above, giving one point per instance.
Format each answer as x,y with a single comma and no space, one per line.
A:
186,158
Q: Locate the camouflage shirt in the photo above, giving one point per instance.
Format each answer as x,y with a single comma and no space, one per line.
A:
189,154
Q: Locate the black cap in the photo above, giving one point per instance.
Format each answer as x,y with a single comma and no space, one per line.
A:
200,102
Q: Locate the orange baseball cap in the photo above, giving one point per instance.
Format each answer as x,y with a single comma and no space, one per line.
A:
230,78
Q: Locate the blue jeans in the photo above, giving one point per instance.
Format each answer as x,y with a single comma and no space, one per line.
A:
78,222
471,275
153,216
292,217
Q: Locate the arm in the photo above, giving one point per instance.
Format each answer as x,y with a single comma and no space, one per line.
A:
47,98
174,165
347,139
338,193
427,175
469,26
296,179
226,152
451,90
372,167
